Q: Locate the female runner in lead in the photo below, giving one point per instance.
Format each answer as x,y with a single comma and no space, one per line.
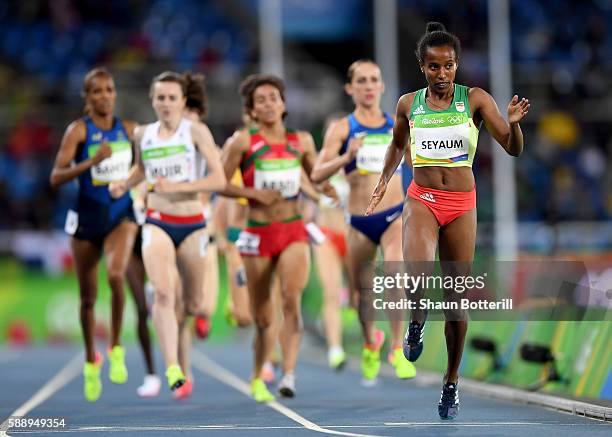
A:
440,123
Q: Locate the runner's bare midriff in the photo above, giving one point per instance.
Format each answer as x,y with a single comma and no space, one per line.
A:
460,179
176,204
362,187
277,212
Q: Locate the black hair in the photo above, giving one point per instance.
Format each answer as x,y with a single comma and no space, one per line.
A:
436,36
254,81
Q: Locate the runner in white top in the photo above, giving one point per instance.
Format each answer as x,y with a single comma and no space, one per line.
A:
174,238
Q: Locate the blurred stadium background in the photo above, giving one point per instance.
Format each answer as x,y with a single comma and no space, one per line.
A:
561,59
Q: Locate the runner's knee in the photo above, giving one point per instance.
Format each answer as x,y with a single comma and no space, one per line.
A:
115,278
164,296
263,321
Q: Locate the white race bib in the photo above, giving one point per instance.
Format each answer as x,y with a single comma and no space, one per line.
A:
114,168
371,156
278,174
204,241
441,138
168,162
248,243
72,222
315,233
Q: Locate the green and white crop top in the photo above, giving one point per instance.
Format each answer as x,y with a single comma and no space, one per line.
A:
444,138
176,159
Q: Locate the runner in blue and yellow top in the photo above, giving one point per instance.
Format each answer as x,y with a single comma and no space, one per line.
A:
441,124
358,143
275,240
97,150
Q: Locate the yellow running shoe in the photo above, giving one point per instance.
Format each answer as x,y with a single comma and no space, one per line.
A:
117,372
370,359
404,369
260,392
175,377
336,358
92,385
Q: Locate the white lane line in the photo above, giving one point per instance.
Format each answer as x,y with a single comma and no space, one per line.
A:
59,380
184,428
208,366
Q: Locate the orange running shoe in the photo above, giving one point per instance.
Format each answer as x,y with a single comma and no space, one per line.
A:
184,391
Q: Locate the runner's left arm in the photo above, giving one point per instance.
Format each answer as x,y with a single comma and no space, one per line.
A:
507,133
308,162
308,188
136,174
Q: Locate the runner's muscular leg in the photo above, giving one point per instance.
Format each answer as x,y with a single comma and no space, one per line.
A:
329,266
86,257
184,334
118,246
220,219
259,277
211,280
191,262
241,309
457,244
360,250
420,240
160,262
136,280
292,268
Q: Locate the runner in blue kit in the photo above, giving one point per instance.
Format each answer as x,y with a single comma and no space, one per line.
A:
440,126
358,143
96,150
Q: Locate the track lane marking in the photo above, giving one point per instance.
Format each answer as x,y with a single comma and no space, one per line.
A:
211,368
57,381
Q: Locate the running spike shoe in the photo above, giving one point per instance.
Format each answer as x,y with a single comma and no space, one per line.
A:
448,407
370,359
184,391
117,372
413,341
286,386
260,391
404,369
92,384
175,377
